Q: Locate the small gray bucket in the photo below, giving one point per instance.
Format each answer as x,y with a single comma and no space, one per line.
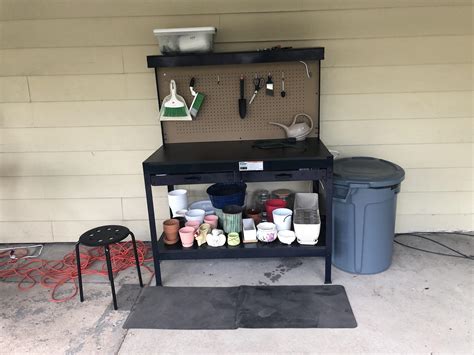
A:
364,208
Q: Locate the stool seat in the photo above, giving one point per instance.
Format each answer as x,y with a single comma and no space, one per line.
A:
104,235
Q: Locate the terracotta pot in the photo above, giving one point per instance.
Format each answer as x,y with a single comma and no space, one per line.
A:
255,214
170,228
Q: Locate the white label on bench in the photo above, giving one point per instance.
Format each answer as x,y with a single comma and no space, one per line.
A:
250,165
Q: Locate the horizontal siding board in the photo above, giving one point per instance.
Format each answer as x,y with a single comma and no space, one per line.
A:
79,139
400,105
415,156
434,223
60,209
79,113
16,115
136,208
393,79
73,163
106,31
435,203
374,23
450,130
92,87
25,9
53,61
440,179
14,89
53,187
26,232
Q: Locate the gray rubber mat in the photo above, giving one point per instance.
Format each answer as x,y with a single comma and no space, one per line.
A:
242,307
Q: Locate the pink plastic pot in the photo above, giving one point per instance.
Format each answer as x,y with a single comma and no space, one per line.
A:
187,236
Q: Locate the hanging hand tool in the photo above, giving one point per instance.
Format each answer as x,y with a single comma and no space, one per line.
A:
258,83
283,92
269,89
242,101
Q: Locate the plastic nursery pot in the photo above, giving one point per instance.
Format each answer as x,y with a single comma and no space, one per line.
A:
170,228
273,204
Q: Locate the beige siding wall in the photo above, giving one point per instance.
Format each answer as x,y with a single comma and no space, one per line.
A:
78,111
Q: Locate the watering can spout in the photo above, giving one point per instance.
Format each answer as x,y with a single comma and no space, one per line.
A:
280,125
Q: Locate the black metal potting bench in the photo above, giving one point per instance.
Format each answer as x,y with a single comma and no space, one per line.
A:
196,152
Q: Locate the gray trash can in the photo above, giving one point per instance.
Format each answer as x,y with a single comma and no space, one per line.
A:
364,206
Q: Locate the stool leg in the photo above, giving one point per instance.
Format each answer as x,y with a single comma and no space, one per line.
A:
137,262
79,273
111,275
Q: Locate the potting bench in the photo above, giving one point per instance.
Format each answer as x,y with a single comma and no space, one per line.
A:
212,148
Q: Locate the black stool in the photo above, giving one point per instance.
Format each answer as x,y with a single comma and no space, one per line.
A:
104,236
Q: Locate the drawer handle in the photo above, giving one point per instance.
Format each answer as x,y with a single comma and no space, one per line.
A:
192,178
283,176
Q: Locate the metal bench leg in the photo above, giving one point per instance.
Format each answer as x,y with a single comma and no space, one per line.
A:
327,277
111,275
137,262
79,273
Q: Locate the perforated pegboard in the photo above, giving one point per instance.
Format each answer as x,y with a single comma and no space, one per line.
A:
218,118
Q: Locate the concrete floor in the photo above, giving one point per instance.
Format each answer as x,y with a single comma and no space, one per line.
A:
423,303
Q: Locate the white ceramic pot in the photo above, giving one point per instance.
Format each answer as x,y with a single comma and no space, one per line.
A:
178,200
266,232
282,218
195,215
286,236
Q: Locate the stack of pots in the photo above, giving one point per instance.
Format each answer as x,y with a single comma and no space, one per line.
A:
228,200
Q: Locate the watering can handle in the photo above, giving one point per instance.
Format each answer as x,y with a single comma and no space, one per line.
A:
308,118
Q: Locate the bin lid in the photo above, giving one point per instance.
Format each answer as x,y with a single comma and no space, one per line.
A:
373,172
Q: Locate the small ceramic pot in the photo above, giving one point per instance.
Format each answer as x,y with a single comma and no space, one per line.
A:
266,232
232,219
282,218
273,204
181,213
194,224
286,237
233,239
187,236
195,215
255,214
212,219
170,228
216,238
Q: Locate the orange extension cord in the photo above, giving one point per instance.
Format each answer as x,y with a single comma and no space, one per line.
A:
53,274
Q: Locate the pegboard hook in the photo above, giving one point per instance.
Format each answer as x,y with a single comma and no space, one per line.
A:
308,73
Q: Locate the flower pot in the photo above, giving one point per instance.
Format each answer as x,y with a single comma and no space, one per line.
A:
170,228
187,236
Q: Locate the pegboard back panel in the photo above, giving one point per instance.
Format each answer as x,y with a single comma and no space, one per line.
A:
218,118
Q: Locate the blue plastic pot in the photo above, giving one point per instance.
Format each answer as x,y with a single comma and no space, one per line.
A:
222,194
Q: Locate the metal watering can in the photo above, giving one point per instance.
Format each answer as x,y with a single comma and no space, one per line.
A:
297,130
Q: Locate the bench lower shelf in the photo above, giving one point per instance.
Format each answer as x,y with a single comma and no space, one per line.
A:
243,250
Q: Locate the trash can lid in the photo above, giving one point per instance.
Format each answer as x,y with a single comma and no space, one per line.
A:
373,172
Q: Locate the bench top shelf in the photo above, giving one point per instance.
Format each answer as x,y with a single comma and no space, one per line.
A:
247,57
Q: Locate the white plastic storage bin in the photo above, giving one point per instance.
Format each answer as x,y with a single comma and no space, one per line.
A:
306,220
185,40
